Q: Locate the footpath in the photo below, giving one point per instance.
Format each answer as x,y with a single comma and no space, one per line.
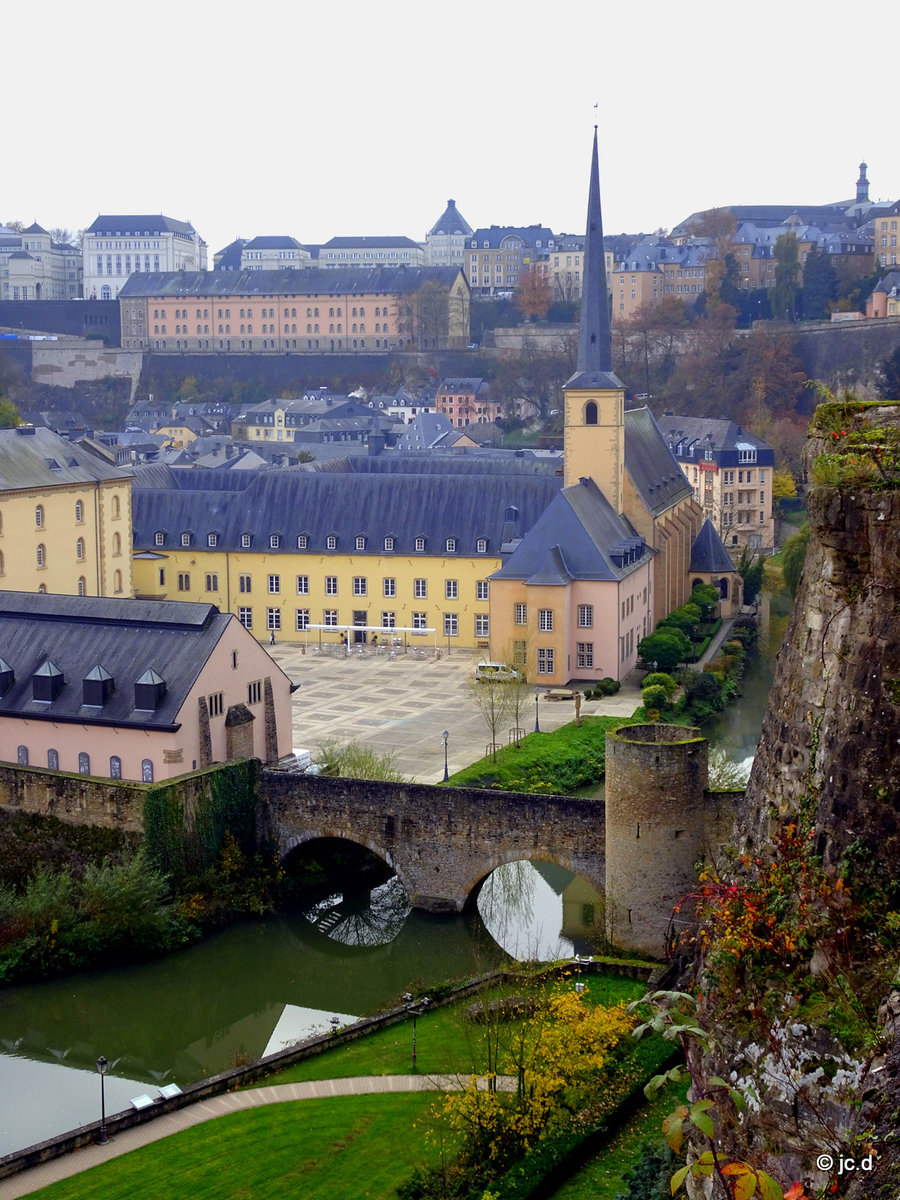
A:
36,1178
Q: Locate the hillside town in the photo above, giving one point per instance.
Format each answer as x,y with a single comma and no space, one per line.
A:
528,472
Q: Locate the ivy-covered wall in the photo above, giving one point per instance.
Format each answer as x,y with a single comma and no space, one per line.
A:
185,820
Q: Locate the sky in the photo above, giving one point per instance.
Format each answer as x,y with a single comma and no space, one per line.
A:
364,117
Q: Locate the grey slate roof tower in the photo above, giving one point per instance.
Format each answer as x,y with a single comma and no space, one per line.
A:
594,367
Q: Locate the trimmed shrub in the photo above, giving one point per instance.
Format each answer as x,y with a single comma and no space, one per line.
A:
654,697
660,679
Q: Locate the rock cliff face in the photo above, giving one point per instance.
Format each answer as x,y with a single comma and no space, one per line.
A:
831,735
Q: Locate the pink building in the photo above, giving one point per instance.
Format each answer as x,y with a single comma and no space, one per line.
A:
133,689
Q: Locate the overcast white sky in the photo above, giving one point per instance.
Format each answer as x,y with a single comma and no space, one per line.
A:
363,117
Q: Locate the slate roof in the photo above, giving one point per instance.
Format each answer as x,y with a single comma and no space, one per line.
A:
708,553
651,466
578,536
725,438
316,281
273,242
451,221
125,637
229,257
370,243
139,226
493,237
341,504
32,456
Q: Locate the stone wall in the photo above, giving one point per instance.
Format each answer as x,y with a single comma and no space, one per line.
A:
70,361
442,842
831,733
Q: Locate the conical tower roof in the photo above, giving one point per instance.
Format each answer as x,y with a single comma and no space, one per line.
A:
594,368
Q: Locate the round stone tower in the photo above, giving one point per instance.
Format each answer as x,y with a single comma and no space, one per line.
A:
656,776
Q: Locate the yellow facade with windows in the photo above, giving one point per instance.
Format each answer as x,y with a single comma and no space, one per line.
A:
288,592
69,532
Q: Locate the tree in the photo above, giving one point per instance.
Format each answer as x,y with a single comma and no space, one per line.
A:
351,760
426,317
820,285
786,253
783,487
558,1052
535,374
493,698
750,567
793,556
532,296
667,648
9,414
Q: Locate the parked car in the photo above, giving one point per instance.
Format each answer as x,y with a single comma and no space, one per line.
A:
495,670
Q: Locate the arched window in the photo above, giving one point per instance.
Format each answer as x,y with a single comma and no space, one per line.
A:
53,760
2,566
84,763
39,516
147,770
41,556
723,588
42,590
22,756
117,544
117,581
79,511
590,413
115,507
115,767
79,549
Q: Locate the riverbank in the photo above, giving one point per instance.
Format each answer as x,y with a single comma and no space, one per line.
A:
355,1044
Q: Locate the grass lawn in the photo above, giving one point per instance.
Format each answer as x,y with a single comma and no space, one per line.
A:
602,1177
570,757
446,1042
349,1147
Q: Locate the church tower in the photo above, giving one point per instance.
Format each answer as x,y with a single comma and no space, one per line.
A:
594,399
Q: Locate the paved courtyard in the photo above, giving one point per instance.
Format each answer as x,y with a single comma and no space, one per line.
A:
401,705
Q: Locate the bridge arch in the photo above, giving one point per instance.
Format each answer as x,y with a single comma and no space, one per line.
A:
289,842
539,854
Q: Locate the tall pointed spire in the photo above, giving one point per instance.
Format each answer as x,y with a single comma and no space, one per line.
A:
594,341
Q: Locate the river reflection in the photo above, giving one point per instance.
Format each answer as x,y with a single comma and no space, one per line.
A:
257,987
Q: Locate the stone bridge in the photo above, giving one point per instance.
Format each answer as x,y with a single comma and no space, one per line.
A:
442,842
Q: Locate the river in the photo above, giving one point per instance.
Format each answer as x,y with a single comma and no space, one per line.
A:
258,986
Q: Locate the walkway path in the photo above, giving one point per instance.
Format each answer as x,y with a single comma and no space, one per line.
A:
206,1110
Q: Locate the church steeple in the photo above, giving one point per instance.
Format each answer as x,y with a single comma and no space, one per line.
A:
594,399
594,340
862,184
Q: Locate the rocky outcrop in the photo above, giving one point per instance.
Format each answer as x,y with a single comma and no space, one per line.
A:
831,735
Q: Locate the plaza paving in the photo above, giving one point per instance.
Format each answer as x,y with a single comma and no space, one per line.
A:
401,705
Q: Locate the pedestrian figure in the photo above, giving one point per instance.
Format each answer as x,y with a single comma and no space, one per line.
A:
271,637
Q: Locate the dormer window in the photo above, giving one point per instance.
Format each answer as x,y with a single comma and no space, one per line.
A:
212,539
185,539
302,541
389,543
481,546
420,543
450,546
331,542
159,538
245,541
274,541
360,542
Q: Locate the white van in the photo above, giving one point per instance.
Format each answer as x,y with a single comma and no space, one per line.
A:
495,670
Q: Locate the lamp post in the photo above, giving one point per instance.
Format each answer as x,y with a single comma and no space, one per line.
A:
537,718
446,736
102,1067
417,1008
